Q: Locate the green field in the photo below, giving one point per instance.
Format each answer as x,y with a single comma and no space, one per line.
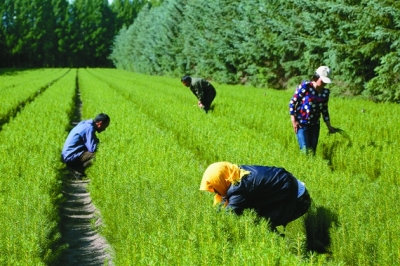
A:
145,180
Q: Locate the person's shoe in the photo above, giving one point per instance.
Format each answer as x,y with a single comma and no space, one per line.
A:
76,174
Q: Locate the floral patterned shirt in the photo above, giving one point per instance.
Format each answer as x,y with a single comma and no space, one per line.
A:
307,104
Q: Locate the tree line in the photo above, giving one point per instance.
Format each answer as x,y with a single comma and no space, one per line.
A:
62,33
273,43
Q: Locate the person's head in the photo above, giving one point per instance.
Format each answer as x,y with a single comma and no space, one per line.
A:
322,76
219,176
187,81
101,121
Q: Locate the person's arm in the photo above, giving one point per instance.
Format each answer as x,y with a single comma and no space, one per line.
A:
325,114
91,140
295,123
330,128
237,204
201,86
294,102
192,89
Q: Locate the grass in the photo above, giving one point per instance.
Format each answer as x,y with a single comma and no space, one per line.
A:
151,159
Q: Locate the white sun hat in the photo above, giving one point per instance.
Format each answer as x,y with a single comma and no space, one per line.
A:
324,72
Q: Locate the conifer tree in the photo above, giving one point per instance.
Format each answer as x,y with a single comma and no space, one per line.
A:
125,12
166,36
92,32
61,37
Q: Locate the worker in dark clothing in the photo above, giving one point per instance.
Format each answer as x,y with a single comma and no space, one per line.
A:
202,89
272,192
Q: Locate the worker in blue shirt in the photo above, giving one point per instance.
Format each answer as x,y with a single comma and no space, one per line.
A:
81,144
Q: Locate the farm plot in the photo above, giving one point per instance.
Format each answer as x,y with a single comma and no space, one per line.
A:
158,145
146,176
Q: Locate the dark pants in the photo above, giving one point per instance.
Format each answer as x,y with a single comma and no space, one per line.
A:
208,99
302,205
84,161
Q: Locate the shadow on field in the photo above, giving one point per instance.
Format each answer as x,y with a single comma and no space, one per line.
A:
317,223
54,245
12,71
328,150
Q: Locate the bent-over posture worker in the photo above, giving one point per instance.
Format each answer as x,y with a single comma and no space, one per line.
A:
202,89
272,192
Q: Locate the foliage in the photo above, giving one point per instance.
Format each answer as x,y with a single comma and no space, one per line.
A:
90,45
152,42
60,33
271,44
385,87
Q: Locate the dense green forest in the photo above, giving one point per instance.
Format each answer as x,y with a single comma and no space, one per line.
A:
265,43
62,33
273,43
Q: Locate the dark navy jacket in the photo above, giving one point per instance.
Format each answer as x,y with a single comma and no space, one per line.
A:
270,191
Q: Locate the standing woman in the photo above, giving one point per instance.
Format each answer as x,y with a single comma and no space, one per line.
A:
309,101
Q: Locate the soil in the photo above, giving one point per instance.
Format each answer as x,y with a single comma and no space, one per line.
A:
80,220
80,223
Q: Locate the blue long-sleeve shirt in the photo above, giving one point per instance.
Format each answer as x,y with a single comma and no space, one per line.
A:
81,138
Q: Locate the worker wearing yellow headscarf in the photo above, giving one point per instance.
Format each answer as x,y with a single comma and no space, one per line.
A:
218,177
272,192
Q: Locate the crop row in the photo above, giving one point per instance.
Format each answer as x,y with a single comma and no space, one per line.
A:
18,88
30,173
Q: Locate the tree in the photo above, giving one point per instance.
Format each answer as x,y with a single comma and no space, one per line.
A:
385,85
166,37
91,30
60,38
125,12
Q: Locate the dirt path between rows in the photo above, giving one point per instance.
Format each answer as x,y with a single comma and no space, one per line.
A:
80,221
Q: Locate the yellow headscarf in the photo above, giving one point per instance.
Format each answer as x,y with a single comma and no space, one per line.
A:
220,176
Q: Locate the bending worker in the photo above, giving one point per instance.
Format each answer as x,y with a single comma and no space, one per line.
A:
202,89
272,192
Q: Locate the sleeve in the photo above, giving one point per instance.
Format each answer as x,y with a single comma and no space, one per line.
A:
91,140
296,99
200,89
325,111
237,203
193,90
